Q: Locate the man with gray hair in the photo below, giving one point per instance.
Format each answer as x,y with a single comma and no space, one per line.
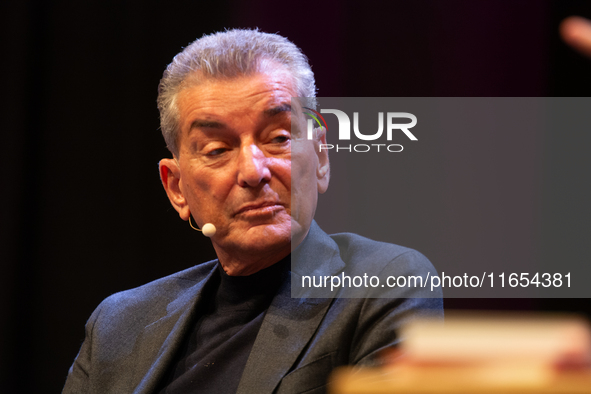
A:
230,325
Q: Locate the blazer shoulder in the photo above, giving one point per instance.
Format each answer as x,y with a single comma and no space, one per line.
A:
154,295
389,263
377,255
349,242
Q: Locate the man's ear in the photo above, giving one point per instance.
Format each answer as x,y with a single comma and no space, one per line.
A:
170,175
323,171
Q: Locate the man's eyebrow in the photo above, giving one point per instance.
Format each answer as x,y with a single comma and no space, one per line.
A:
277,110
200,123
212,124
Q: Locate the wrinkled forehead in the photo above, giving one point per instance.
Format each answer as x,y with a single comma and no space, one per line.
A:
224,91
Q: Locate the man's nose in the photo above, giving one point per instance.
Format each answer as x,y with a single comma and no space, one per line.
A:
253,167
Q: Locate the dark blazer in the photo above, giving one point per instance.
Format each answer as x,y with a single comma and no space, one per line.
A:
132,337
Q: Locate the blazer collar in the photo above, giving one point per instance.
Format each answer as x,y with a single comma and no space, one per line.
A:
161,339
290,322
318,254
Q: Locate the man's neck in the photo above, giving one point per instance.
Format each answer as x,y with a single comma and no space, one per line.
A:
244,264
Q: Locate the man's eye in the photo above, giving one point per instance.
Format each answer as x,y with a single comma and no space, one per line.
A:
216,152
280,139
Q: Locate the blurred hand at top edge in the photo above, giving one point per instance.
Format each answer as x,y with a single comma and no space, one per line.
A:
576,32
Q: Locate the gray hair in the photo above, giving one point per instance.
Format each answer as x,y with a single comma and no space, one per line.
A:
227,55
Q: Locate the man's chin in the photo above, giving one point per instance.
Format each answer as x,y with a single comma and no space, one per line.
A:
269,234
262,238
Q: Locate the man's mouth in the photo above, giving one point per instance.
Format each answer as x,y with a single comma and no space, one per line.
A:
261,207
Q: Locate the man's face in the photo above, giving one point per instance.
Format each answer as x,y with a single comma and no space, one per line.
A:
234,168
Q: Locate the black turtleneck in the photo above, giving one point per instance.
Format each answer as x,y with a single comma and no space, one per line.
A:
229,316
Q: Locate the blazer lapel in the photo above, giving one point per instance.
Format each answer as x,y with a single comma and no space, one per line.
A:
290,323
161,339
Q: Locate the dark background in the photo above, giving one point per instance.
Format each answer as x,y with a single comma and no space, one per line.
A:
82,210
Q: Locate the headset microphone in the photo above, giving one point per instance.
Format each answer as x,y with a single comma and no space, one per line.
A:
208,229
